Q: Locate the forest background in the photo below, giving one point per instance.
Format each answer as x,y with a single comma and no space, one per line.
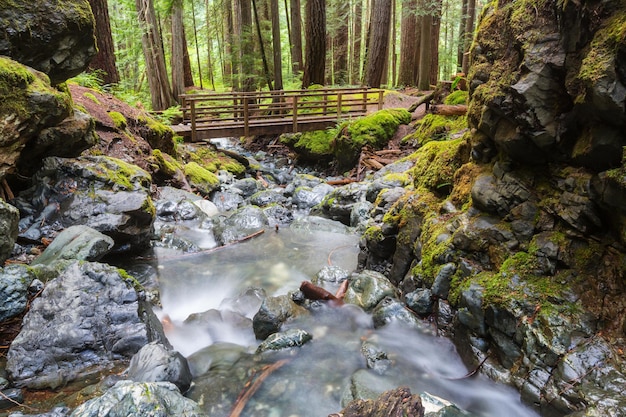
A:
151,51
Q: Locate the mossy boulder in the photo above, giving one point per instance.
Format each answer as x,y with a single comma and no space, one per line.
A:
203,180
29,105
436,162
547,82
56,37
374,130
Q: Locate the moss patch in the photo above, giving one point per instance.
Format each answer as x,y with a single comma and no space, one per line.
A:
456,97
436,162
200,178
435,127
120,174
212,161
118,120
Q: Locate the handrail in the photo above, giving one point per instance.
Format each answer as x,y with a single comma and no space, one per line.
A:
247,109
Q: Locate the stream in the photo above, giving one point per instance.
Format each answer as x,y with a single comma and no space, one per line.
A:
317,375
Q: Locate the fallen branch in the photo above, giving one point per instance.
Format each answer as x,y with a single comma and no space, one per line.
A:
251,388
424,100
7,190
314,292
341,291
341,182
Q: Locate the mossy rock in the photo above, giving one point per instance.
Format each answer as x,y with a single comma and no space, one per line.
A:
28,105
457,97
374,130
435,127
436,162
314,145
200,178
212,161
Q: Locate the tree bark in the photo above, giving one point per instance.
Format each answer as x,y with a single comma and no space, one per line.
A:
462,23
340,43
160,90
355,67
297,63
228,65
278,65
178,49
409,45
434,47
469,34
105,59
425,52
315,62
378,45
247,46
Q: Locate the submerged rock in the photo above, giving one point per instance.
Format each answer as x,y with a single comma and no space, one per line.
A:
156,362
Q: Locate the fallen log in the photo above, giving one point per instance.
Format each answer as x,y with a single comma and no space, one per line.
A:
313,292
424,100
449,109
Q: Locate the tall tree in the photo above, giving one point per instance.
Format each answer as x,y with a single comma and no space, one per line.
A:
409,44
178,49
160,90
378,44
105,59
357,27
276,47
247,45
297,63
425,52
340,43
229,63
315,62
469,34
434,47
462,23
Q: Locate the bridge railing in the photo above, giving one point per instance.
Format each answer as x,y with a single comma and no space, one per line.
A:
261,110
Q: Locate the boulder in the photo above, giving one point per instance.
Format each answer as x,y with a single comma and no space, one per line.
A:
368,288
274,311
76,243
128,398
30,105
397,402
86,319
54,37
156,362
285,340
104,193
242,223
14,283
9,220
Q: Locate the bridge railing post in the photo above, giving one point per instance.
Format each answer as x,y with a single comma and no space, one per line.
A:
380,99
339,111
192,109
364,104
246,127
294,112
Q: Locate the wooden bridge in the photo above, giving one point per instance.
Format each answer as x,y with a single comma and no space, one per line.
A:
233,114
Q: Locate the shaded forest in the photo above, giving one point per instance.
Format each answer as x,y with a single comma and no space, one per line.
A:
151,51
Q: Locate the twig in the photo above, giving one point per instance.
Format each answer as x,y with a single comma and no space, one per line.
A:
330,254
251,389
473,371
6,397
341,291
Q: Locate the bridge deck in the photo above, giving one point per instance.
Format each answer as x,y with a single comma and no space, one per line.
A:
235,114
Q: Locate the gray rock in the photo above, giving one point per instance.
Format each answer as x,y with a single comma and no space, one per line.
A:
368,288
226,200
81,243
84,321
274,311
420,301
284,340
391,310
59,41
330,274
338,204
443,280
9,220
319,224
376,359
266,197
156,363
242,223
14,283
218,356
247,186
307,197
127,398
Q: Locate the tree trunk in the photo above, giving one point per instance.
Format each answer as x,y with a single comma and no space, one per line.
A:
425,53
160,90
315,62
434,48
378,45
178,49
278,65
461,46
247,46
105,59
469,34
409,45
228,64
355,68
340,43
297,63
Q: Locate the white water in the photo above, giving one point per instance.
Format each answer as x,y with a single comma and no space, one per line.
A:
278,263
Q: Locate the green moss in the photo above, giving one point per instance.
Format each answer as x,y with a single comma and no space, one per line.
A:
435,127
374,234
14,81
120,174
91,97
200,176
376,129
457,97
213,161
600,58
313,143
168,165
436,162
157,127
129,279
118,120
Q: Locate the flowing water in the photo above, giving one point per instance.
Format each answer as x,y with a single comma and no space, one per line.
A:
322,369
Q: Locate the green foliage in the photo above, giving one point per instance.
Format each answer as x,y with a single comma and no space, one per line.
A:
167,116
92,79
